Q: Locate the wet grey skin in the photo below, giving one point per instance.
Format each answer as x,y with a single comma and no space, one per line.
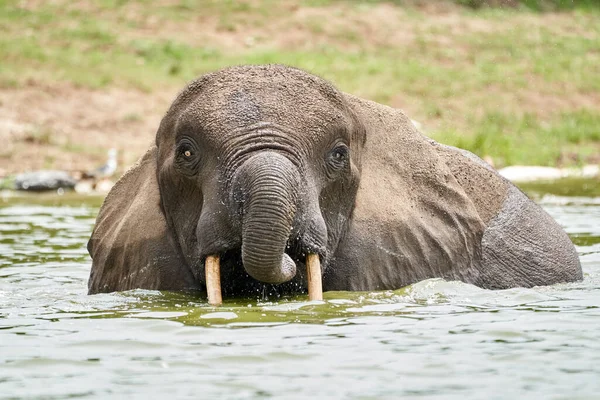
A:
262,165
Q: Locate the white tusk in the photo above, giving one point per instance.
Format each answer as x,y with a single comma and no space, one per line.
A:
213,280
315,284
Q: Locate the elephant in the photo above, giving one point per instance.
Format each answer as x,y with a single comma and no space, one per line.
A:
264,164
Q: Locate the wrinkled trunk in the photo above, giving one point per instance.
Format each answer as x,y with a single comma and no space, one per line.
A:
269,183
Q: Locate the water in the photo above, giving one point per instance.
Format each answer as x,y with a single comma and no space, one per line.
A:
434,339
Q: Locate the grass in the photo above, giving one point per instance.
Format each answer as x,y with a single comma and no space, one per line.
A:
38,135
527,140
516,84
569,187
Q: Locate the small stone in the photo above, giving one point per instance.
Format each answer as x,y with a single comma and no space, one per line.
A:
84,186
44,180
104,185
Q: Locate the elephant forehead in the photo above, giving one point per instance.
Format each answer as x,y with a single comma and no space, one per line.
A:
244,96
235,113
238,107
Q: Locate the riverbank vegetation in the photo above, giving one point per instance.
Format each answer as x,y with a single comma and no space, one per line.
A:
516,82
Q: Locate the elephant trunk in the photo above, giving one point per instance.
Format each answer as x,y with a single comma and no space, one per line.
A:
269,183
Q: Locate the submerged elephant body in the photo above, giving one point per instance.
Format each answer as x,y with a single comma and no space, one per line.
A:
262,165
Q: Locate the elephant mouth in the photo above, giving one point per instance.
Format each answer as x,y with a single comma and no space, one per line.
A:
235,282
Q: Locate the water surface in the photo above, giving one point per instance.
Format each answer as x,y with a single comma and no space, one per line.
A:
434,339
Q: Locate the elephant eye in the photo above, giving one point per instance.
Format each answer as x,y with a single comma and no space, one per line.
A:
338,157
186,156
185,152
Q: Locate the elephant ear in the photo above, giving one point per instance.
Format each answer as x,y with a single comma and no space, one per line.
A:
131,246
412,220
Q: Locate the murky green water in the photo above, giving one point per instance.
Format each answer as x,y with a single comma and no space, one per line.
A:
435,339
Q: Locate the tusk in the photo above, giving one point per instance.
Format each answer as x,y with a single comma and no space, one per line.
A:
213,280
315,284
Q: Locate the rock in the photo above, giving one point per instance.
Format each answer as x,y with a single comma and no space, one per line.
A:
523,173
44,180
85,186
104,186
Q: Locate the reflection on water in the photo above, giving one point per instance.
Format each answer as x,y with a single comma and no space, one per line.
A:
434,339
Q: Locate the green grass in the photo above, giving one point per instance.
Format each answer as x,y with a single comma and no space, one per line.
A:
512,83
563,187
528,141
535,5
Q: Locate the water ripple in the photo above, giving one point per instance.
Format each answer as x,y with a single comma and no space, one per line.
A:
434,339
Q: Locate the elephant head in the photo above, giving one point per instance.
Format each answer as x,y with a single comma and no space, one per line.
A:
262,165
248,168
